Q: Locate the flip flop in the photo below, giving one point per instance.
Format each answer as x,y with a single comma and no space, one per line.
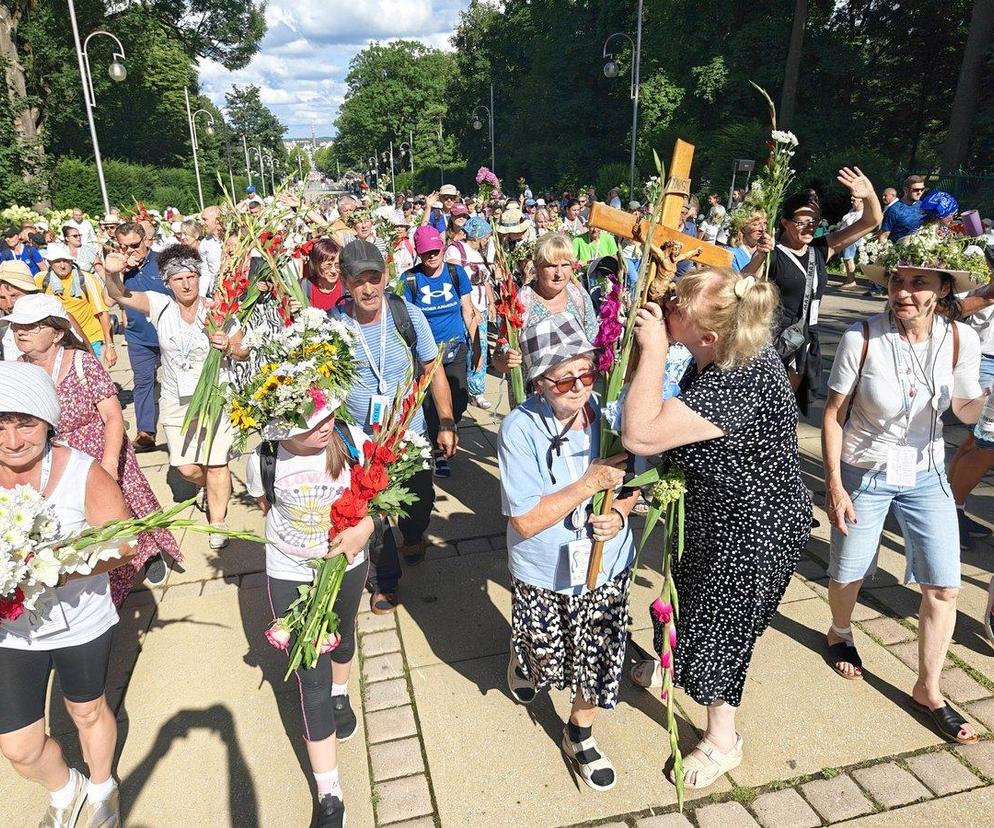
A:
843,651
948,720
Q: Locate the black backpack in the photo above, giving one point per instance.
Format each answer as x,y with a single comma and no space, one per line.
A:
412,281
401,320
267,461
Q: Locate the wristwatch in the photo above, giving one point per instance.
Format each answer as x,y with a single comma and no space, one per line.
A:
446,427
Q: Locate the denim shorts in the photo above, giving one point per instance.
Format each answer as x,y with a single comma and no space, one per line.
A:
850,252
986,371
926,513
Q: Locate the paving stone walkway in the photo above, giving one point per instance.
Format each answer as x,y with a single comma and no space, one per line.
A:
204,712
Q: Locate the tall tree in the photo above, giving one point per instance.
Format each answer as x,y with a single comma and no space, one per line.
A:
792,69
249,116
956,147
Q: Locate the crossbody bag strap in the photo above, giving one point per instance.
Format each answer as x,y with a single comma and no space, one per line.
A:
809,277
955,344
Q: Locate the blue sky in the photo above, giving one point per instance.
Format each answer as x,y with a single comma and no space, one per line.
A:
304,58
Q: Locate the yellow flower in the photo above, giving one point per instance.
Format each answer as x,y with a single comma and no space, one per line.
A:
240,417
326,369
268,367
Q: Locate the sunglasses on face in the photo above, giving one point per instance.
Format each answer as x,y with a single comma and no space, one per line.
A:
918,189
566,384
804,225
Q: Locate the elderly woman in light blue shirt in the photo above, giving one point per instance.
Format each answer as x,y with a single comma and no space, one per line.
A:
564,635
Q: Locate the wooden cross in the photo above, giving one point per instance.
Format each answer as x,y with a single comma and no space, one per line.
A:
669,247
668,230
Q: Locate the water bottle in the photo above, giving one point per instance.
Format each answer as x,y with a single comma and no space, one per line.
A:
983,431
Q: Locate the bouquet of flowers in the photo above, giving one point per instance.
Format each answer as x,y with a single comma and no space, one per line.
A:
35,553
236,295
873,251
311,360
488,184
510,312
770,187
376,488
927,248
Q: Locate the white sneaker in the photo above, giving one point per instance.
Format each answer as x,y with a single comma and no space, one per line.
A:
218,541
481,401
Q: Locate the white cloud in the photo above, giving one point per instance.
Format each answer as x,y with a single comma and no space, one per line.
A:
301,66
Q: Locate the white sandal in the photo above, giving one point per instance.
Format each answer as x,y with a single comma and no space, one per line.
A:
522,690
588,760
713,766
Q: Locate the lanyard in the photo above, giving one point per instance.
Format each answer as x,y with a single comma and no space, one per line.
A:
909,391
46,468
379,372
575,520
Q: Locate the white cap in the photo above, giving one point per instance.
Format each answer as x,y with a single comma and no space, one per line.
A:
28,389
34,307
540,202
399,219
55,251
41,224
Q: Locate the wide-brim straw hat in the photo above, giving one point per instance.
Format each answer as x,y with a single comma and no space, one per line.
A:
512,221
963,280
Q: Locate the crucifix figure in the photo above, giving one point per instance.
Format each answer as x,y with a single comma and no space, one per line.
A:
669,245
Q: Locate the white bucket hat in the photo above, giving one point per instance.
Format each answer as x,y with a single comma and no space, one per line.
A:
28,389
55,251
34,307
281,430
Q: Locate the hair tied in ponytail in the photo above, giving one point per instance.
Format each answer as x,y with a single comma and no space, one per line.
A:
743,286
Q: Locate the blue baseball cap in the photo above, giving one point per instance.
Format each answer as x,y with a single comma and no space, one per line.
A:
250,188
530,202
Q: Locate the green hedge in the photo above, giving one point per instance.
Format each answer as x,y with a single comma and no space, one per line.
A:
73,183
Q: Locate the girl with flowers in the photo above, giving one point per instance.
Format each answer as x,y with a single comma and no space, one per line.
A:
69,627
199,455
308,470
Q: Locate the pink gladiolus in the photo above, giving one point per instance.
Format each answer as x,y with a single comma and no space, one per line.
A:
330,643
278,636
664,695
672,638
665,659
662,612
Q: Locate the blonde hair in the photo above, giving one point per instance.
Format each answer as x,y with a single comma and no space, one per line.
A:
743,217
553,248
738,308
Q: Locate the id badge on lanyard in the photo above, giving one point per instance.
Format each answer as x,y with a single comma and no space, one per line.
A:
578,550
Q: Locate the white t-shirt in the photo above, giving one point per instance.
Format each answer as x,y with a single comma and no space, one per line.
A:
11,353
210,264
982,322
878,417
297,526
80,611
183,346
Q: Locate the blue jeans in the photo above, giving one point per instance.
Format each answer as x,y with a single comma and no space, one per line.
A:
477,379
986,371
927,516
144,364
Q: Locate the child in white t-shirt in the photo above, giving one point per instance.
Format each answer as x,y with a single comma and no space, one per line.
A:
296,478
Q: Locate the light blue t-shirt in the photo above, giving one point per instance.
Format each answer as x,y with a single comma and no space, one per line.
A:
396,364
440,300
740,258
522,450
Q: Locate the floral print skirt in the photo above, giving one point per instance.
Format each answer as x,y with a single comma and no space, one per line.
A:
574,641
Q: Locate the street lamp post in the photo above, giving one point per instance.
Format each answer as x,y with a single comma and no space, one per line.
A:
191,118
611,71
248,167
478,125
393,185
272,172
262,171
117,73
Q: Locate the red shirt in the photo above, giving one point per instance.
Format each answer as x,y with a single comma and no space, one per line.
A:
325,301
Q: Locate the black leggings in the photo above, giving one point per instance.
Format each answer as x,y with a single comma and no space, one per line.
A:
315,683
82,672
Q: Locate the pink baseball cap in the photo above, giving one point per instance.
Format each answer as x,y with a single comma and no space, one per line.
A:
458,210
426,238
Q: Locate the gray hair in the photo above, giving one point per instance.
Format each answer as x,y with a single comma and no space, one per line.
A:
192,228
346,199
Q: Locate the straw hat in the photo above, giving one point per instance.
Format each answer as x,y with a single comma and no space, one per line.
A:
16,273
512,221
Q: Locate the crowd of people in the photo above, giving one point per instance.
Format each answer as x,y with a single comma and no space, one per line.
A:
728,362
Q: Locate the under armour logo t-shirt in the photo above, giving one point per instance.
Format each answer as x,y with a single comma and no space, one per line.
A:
439,300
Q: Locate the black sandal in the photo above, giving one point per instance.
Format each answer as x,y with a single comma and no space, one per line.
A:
843,651
948,721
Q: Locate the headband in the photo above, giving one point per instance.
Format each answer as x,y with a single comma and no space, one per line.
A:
179,265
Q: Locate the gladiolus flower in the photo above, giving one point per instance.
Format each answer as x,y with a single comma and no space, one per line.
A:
665,659
662,612
672,638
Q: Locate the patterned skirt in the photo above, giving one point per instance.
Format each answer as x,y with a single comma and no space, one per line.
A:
574,641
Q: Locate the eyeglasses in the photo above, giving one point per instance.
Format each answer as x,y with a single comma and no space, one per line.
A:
567,384
132,246
917,189
33,327
72,235
804,225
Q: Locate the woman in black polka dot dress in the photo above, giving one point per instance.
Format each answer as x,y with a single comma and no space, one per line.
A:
732,432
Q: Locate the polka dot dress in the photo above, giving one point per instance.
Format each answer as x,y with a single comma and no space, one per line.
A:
748,516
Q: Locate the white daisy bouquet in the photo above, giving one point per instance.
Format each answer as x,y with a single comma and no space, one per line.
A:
300,367
874,250
35,553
